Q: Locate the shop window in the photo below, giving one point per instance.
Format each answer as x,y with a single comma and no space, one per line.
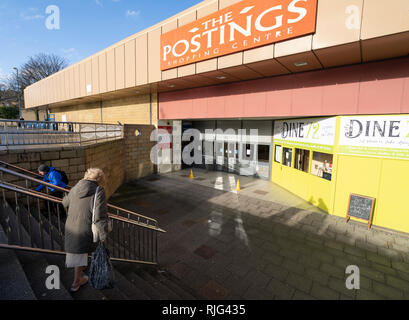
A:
248,151
277,154
263,153
287,156
302,159
322,165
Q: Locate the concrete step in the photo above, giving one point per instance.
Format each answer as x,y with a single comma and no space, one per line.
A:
90,293
35,265
14,284
130,284
157,284
147,288
131,291
17,234
34,222
175,285
67,277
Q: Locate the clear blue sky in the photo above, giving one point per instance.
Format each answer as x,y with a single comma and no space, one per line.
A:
86,26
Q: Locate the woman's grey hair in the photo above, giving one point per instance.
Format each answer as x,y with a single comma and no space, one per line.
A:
95,174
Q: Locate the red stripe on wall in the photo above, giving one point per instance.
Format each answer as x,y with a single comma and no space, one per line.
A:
373,88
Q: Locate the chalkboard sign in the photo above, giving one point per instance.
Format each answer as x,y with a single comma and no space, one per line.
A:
360,207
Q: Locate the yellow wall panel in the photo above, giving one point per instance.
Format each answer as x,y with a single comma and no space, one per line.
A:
392,208
88,77
95,75
226,3
120,67
210,8
171,25
83,91
345,26
76,81
360,175
187,18
111,70
102,64
384,17
154,72
142,60
130,64
258,54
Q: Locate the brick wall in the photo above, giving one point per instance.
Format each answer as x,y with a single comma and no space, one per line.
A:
121,160
136,109
137,151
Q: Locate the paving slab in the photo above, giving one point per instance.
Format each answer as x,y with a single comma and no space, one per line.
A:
263,242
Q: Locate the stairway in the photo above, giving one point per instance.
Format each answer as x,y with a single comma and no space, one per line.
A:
23,274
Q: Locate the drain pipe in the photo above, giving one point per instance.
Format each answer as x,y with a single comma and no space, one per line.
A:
150,107
100,106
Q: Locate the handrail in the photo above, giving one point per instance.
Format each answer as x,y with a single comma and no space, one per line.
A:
19,168
16,188
58,122
24,132
34,223
23,176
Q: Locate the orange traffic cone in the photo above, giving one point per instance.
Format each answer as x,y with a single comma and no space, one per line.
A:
238,185
191,174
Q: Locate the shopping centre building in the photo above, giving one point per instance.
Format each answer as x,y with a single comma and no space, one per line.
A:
325,83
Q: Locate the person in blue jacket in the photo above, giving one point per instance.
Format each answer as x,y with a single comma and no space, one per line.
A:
51,175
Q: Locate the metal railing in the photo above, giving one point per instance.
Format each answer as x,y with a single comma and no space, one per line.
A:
30,182
14,133
35,222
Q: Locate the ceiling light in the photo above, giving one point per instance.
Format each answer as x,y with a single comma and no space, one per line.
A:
221,77
171,85
300,64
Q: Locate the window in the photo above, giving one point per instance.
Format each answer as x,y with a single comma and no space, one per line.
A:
287,156
263,153
302,159
248,151
277,154
322,165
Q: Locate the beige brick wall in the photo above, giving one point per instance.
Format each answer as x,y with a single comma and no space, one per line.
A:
80,113
137,151
109,157
126,110
30,114
121,160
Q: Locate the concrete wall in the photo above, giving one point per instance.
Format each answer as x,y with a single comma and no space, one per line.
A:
136,109
121,160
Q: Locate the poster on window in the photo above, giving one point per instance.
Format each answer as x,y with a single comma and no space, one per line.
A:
317,134
377,136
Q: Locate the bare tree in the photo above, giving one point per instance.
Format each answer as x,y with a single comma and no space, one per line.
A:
39,67
36,68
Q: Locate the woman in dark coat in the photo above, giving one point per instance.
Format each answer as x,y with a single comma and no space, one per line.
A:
78,233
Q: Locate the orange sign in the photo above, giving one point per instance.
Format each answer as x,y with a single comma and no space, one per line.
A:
244,25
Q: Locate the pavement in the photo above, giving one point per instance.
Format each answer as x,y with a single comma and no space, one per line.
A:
263,242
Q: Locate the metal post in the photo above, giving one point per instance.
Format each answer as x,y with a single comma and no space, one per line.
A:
18,94
7,134
79,131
